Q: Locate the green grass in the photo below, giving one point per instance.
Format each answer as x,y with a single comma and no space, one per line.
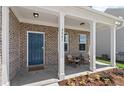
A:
119,63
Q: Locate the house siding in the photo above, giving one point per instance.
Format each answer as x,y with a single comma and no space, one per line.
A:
103,42
14,56
119,33
103,37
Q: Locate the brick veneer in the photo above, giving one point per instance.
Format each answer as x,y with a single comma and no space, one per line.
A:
18,43
74,42
13,45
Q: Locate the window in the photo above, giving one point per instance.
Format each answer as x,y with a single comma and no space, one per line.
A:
82,42
66,41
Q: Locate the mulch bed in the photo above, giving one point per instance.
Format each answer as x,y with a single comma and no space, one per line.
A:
113,77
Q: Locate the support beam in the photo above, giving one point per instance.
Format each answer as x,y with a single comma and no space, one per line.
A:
93,46
113,46
61,64
5,46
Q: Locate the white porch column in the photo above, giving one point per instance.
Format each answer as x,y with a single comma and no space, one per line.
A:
5,46
113,45
61,64
92,46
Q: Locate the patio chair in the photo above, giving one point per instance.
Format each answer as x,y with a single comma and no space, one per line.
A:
73,60
69,59
86,58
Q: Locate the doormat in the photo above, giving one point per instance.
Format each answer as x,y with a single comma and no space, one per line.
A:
36,68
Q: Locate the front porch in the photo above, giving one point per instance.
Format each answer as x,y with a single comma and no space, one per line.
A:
52,26
50,74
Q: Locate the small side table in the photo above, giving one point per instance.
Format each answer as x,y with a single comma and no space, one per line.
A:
76,60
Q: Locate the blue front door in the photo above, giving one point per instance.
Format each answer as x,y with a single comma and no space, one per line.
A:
35,48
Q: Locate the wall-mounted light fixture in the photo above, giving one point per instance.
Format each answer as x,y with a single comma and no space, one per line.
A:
35,15
82,23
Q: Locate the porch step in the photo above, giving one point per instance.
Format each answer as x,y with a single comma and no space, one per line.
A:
43,83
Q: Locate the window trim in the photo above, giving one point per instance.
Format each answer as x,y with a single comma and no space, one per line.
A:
83,43
66,43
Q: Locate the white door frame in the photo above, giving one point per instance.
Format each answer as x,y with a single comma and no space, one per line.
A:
43,46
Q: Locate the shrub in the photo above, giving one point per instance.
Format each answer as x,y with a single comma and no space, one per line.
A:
105,56
119,74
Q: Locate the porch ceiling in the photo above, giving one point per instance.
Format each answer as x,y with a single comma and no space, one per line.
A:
51,19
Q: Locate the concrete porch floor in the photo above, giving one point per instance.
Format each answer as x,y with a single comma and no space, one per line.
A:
49,74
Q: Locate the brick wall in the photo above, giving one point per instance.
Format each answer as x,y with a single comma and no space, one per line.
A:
13,45
74,42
